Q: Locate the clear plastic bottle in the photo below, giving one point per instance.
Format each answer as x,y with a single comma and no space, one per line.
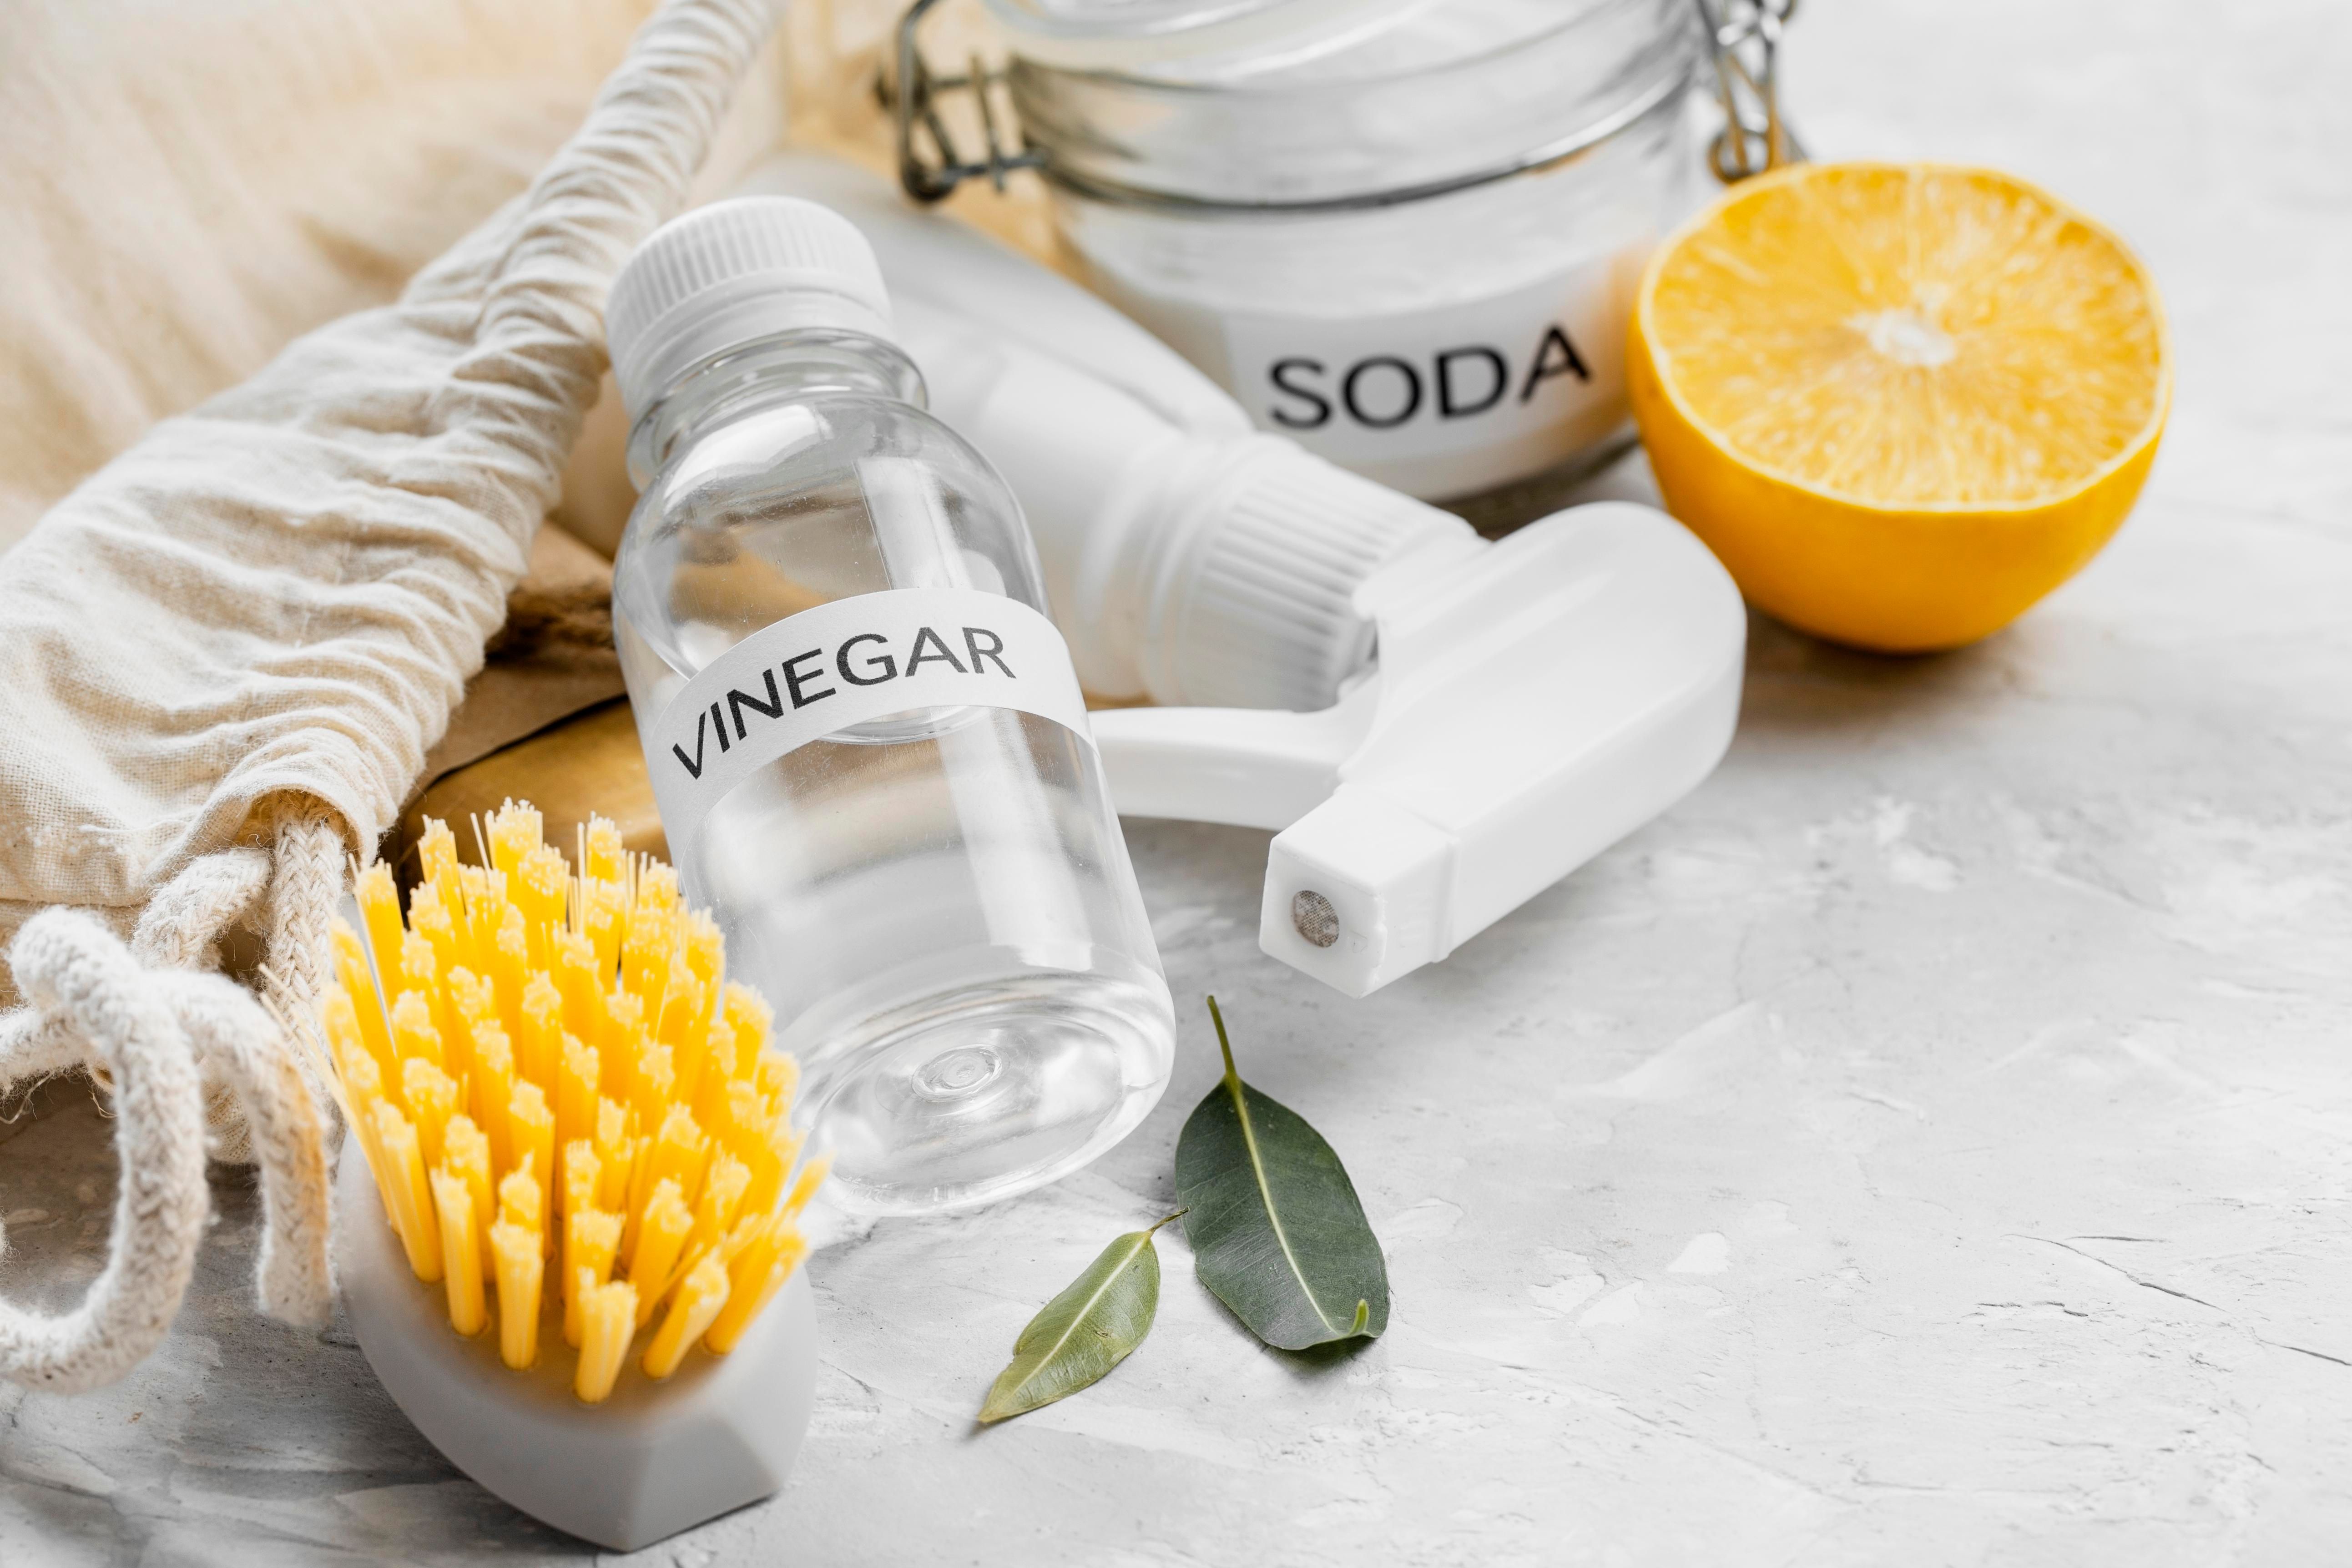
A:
934,896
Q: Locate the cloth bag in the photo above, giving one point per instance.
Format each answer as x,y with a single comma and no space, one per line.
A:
186,187
223,656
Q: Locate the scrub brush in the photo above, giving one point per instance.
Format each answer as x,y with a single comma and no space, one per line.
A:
576,1131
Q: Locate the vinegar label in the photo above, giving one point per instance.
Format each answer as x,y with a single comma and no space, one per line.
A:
1450,399
847,663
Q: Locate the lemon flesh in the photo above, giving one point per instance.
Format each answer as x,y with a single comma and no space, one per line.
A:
1902,402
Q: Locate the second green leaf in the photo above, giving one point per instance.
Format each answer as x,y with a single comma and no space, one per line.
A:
1083,1333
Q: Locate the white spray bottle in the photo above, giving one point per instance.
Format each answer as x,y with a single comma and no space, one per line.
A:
1438,728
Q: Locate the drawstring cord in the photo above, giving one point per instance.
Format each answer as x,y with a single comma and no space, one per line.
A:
179,1050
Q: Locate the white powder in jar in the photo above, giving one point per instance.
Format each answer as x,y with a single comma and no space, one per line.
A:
1444,344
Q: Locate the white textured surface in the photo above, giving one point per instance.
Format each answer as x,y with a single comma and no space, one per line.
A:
1931,1143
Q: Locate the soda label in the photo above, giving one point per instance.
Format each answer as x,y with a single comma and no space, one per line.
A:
1449,399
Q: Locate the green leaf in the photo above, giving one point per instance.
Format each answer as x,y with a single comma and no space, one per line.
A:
1277,1233
1083,1333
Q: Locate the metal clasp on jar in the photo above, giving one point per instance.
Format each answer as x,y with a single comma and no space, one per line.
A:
1746,38
912,91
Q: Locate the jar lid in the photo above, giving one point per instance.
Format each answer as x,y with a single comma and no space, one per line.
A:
1141,35
1439,97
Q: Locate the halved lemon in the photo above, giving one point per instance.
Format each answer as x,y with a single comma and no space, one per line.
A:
1900,403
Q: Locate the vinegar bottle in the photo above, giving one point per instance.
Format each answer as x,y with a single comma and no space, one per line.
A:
864,736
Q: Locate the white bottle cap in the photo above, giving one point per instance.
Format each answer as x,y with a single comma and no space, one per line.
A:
1256,610
731,272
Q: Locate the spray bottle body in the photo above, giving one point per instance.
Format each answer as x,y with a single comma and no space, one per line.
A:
830,618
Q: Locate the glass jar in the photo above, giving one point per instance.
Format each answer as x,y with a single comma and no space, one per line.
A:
1410,243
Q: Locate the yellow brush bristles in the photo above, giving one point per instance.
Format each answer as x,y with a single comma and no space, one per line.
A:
566,1105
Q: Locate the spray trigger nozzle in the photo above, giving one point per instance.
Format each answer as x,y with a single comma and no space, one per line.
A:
1533,701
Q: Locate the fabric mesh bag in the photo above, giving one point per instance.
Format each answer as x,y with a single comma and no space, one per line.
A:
224,656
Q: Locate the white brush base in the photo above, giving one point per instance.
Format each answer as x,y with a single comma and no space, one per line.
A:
651,1460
